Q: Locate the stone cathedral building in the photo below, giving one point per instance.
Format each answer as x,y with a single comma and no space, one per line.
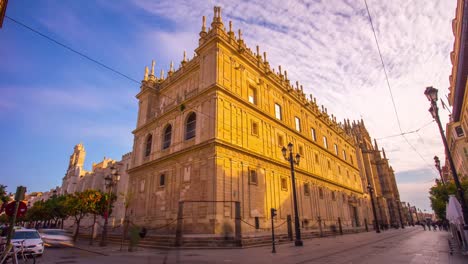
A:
207,147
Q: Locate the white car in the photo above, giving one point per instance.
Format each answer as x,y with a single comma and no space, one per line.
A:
56,237
32,241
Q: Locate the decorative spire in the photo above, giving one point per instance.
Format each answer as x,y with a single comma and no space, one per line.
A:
184,59
286,75
297,85
171,68
231,33
203,29
162,75
264,57
240,34
146,73
217,20
152,67
376,146
383,152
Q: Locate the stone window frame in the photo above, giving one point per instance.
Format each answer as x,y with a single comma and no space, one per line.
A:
167,137
320,192
254,128
333,195
314,134
252,95
253,177
148,145
278,111
162,180
344,154
190,126
325,142
307,189
284,184
280,140
335,146
297,123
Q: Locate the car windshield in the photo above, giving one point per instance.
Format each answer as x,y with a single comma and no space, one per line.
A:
26,235
54,232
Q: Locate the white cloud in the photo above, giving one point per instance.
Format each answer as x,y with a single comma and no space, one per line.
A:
330,48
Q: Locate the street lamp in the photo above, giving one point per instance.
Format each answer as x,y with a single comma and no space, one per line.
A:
292,161
437,165
371,193
110,181
399,214
431,94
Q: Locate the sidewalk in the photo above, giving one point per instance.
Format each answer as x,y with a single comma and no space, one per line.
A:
410,245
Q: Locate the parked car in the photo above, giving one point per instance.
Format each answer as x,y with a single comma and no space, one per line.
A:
56,237
32,240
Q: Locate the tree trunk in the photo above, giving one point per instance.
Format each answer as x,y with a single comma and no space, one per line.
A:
92,230
77,230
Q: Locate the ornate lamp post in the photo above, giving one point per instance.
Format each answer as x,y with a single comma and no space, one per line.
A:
110,181
431,94
371,193
399,213
292,161
437,165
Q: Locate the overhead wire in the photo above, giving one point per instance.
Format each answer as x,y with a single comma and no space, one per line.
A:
173,99
390,89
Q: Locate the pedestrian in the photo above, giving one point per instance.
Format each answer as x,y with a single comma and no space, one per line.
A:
423,225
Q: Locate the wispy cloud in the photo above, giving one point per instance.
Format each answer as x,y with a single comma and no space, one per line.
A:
329,47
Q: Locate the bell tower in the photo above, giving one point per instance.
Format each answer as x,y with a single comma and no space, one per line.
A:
78,157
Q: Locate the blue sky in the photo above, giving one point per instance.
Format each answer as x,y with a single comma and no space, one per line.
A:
52,99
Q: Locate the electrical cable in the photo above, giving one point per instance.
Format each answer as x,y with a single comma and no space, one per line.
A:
390,89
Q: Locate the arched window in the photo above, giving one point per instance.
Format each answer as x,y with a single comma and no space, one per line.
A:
167,137
190,126
149,142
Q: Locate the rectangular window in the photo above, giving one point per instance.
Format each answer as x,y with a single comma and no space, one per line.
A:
301,151
344,197
278,113
314,136
253,177
336,149
344,154
339,169
297,121
316,158
280,140
254,128
284,184
320,193
325,142
162,180
252,95
333,196
142,185
307,189
351,158
329,165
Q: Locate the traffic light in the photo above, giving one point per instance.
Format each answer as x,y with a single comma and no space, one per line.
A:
273,212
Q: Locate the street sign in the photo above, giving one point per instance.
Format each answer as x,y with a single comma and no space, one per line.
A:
10,209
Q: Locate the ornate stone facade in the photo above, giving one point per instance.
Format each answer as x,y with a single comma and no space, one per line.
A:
209,135
458,95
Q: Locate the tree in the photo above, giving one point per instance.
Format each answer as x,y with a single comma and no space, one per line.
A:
439,196
96,207
81,204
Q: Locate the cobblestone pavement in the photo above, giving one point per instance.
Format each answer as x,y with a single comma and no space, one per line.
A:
410,245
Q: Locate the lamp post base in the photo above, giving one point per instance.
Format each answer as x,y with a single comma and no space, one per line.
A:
298,243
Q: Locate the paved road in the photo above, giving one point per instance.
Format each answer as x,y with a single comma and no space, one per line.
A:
411,245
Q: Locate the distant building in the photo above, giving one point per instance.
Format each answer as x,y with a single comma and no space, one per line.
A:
209,136
77,179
